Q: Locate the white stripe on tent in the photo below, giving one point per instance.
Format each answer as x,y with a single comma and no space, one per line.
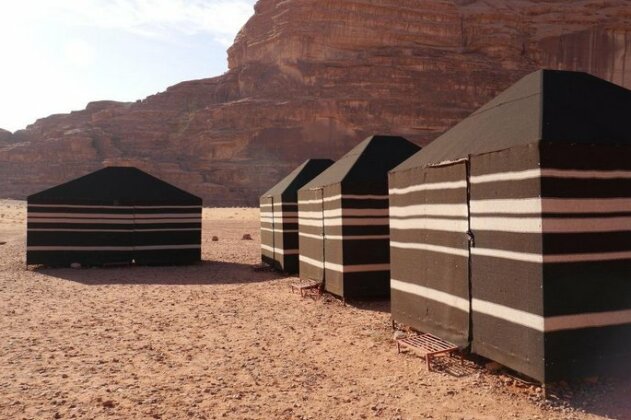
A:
507,224
278,214
432,294
345,222
433,248
110,248
279,250
150,221
310,235
549,172
357,237
553,323
508,255
552,205
569,173
37,216
451,185
115,230
112,221
85,221
586,205
350,212
587,320
280,230
357,268
343,213
550,224
344,237
551,258
34,215
508,206
279,220
430,210
506,313
447,225
506,176
79,206
345,197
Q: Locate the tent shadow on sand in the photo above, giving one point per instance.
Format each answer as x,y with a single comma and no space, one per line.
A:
205,273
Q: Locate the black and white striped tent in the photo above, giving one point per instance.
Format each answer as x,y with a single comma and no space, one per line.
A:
279,216
343,219
512,231
114,215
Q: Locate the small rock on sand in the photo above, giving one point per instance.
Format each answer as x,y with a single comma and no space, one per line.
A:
247,237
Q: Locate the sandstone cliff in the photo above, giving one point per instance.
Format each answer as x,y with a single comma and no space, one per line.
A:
311,78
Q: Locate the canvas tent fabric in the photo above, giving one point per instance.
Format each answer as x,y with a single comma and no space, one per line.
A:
279,216
512,231
343,219
113,215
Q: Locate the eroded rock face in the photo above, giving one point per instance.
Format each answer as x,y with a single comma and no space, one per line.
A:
311,78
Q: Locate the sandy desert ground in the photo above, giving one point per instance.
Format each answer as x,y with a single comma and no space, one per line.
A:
219,340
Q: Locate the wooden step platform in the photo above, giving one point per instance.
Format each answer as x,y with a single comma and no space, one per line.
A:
427,345
306,288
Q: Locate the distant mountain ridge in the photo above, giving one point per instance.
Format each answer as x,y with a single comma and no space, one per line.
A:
312,78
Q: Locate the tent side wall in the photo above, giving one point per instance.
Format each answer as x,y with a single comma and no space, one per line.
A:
506,260
266,215
429,250
365,238
310,240
586,195
59,235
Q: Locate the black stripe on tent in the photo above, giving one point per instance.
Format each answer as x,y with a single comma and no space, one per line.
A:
586,242
585,188
509,241
504,282
586,287
80,238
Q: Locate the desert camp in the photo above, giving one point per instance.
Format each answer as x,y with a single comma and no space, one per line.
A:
306,209
511,231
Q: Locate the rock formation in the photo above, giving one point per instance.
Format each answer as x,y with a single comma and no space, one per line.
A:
311,78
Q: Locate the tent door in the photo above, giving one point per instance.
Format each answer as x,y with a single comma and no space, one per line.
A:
471,244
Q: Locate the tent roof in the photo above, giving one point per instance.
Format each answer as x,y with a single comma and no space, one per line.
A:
120,185
368,161
299,177
545,106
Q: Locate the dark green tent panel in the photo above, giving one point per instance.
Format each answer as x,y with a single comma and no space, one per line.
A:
114,215
279,216
512,231
343,219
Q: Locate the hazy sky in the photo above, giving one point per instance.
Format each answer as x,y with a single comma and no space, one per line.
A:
58,55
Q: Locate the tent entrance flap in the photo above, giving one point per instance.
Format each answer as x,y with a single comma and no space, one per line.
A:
430,250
